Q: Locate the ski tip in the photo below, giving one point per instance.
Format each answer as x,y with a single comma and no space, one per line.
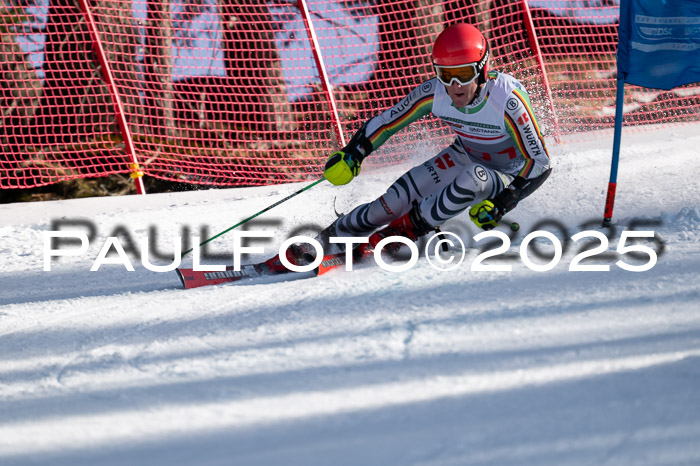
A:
182,278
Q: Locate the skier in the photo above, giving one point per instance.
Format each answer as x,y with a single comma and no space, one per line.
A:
498,158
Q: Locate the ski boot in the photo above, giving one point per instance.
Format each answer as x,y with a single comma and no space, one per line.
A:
412,226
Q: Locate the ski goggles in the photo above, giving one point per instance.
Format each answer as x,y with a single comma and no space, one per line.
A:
463,74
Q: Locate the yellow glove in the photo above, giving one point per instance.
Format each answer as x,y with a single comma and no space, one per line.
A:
342,167
486,214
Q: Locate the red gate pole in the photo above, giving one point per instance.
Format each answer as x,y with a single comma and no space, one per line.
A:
535,47
327,87
136,173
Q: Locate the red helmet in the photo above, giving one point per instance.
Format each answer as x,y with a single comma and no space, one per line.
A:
461,44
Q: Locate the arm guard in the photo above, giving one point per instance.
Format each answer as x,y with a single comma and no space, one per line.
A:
359,146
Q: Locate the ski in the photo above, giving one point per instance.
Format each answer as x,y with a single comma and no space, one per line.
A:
253,273
272,270
330,262
191,278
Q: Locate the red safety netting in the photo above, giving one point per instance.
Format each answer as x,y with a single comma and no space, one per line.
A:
578,48
56,112
223,92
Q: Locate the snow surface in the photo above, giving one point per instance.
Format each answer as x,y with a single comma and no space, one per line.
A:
366,367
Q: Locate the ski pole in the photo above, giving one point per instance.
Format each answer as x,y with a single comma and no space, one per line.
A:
255,215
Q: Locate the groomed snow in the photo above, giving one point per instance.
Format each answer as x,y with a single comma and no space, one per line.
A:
368,367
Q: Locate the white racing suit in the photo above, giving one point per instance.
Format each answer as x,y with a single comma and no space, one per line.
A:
497,139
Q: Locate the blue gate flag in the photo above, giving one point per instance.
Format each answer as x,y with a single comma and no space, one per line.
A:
659,43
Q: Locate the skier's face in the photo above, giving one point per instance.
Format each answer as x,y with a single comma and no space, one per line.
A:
461,95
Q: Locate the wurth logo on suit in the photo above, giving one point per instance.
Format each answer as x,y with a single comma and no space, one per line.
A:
532,140
432,171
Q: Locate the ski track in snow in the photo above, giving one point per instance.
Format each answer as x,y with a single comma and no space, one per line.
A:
366,367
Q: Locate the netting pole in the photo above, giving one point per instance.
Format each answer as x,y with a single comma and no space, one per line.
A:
327,87
136,173
535,47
